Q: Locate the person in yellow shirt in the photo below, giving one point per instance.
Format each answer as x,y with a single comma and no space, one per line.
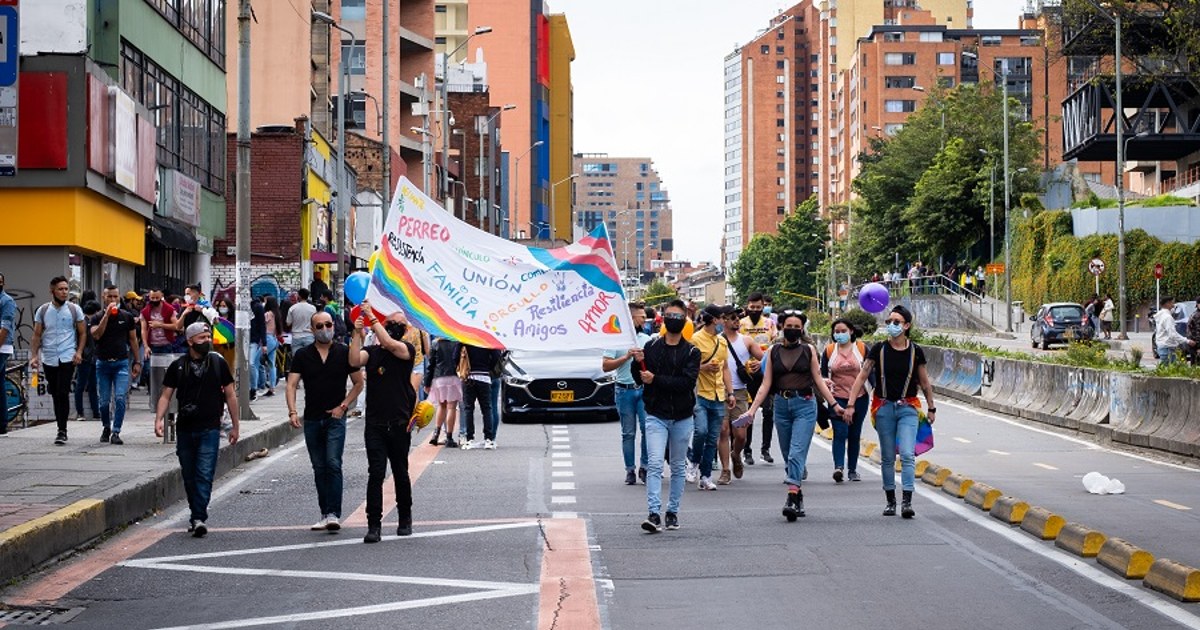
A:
714,395
758,325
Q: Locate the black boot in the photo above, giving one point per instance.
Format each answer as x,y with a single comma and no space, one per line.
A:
890,510
906,510
373,533
793,508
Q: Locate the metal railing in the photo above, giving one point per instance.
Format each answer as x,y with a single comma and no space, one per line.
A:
968,299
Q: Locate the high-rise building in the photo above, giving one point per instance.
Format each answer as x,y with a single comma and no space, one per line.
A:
120,167
628,196
731,244
562,128
450,28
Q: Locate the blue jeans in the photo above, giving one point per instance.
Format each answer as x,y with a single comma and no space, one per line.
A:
85,381
847,438
1167,356
326,440
197,452
268,374
112,381
495,406
633,419
256,352
659,434
3,392
897,420
794,422
710,415
300,343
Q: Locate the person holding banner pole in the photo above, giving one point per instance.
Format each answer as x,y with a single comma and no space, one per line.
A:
630,406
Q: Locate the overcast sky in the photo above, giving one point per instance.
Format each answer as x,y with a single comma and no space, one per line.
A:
648,83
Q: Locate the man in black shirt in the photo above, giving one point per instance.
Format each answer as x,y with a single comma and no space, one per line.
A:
323,367
115,332
390,401
478,388
667,369
205,387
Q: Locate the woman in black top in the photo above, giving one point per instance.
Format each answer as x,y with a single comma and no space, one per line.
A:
899,366
792,375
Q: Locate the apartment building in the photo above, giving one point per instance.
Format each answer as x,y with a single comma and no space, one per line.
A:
731,244
628,196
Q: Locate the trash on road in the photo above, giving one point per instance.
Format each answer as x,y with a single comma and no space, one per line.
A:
1097,483
262,452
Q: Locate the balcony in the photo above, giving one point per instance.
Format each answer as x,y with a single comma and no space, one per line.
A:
1165,109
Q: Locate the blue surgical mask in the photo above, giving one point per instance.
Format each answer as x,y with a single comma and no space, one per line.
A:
841,338
766,310
894,330
720,328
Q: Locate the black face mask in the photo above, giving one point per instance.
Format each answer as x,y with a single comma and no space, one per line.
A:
396,331
754,316
155,303
202,349
792,334
674,326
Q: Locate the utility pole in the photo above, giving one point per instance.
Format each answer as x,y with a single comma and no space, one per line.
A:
383,131
1008,319
425,148
242,219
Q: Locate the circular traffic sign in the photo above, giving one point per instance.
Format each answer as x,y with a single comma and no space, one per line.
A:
1158,271
1096,266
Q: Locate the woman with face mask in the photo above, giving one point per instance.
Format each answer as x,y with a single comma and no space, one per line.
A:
792,376
899,367
840,364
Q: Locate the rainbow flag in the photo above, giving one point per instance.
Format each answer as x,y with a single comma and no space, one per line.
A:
222,332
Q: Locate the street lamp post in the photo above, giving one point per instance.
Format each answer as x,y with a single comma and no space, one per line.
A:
1008,319
487,128
342,197
554,208
378,115
481,30
517,180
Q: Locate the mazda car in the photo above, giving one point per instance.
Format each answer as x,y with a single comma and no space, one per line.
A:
1060,322
571,384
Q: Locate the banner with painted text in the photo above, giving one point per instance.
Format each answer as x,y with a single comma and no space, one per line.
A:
454,280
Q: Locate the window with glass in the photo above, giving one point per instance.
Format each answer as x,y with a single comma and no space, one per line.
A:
354,53
202,22
356,10
898,106
900,59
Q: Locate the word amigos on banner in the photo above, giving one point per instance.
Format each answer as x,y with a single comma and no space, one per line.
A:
456,281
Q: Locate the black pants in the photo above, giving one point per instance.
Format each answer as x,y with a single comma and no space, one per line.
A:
474,390
58,382
387,443
768,424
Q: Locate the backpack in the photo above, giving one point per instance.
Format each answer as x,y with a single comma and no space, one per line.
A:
40,315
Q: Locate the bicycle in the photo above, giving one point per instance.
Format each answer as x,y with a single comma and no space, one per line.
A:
14,390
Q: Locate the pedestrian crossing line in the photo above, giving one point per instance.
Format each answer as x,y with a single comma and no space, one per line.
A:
562,485
560,455
564,515
995,452
559,438
561,464
963,440
1172,505
1046,466
561,447
561,499
562,473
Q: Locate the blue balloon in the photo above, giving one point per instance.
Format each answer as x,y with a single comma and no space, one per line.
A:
356,287
873,297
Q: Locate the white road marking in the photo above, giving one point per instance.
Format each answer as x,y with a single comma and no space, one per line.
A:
995,452
562,473
1172,505
1092,446
561,447
560,439
562,485
564,515
1133,590
963,440
562,499
560,455
561,464
1046,466
559,426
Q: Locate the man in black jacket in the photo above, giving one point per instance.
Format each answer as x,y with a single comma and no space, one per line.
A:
478,387
669,367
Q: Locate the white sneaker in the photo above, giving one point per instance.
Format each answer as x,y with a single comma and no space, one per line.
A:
489,445
693,473
320,525
706,483
468,445
333,524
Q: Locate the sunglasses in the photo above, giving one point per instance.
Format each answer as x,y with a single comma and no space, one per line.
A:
898,321
674,316
325,325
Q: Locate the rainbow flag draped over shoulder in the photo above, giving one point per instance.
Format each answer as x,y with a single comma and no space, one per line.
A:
456,281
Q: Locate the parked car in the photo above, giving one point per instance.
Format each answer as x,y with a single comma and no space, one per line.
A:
1060,322
555,385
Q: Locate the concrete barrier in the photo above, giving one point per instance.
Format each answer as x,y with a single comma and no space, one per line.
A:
1080,540
935,475
1175,579
867,449
982,496
1011,510
1124,559
1142,407
1004,382
1042,523
957,486
1179,430
1089,389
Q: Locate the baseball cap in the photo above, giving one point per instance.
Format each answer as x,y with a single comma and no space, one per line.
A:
196,328
717,311
132,295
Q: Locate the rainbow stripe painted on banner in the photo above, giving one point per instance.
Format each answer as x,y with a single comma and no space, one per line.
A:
391,279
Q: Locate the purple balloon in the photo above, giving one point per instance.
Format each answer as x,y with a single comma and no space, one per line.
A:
873,297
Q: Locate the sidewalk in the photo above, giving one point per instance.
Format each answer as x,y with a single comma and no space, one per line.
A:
56,498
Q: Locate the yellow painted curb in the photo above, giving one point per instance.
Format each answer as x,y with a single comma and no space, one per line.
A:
957,486
935,475
827,433
868,448
982,496
1177,580
78,515
1041,523
1080,540
921,467
1011,510
1124,559
876,456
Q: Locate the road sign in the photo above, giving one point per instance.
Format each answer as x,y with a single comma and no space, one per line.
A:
10,58
9,37
995,269
1158,271
1096,266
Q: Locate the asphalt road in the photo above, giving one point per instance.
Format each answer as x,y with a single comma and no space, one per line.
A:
543,533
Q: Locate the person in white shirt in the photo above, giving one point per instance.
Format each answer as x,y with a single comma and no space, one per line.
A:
1167,340
1106,316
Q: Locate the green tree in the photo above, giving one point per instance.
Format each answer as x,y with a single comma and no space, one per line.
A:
787,261
753,269
658,292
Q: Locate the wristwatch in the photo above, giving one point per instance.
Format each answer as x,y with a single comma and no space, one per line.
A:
932,409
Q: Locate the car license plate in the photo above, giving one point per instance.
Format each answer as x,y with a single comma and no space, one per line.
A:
562,396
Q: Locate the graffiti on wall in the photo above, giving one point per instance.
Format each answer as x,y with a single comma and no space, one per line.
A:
276,283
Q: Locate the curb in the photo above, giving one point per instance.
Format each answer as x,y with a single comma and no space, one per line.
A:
1124,559
29,545
1172,578
1011,510
1042,523
957,486
982,496
1080,540
935,475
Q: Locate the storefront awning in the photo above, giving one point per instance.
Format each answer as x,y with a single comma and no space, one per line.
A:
171,235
